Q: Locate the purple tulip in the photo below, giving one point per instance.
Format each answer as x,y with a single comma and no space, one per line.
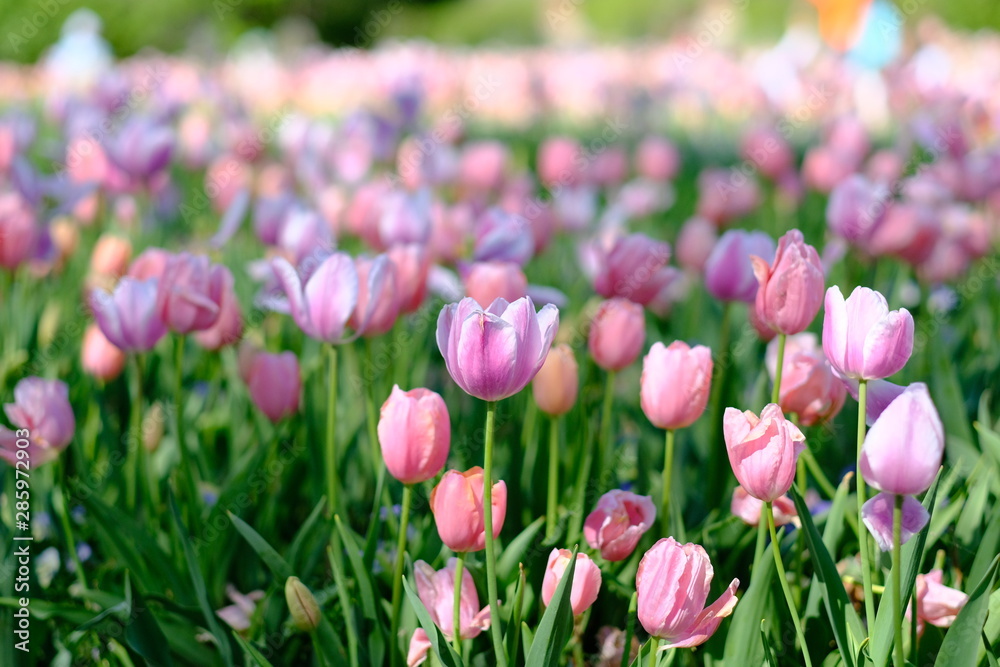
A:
322,306
502,236
877,515
128,317
728,270
190,293
42,409
862,338
495,353
856,207
142,148
634,268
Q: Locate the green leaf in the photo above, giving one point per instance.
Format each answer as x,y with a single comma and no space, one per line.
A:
960,647
362,575
847,628
252,652
278,565
990,441
303,535
831,538
556,624
514,552
527,638
143,634
222,638
988,650
911,558
770,659
989,546
742,645
348,608
439,644
329,643
513,638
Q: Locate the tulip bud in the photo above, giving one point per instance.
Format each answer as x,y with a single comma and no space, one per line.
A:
617,334
791,290
729,273
809,388
302,605
274,382
111,256
937,604
457,505
675,384
414,432
750,509
763,451
586,579
862,338
557,382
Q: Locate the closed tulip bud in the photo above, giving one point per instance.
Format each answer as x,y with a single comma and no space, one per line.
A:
764,332
937,604
862,338
586,579
675,384
414,432
617,334
763,451
617,523
100,357
111,256
274,382
436,590
457,505
729,272
809,387
42,408
673,583
487,281
557,382
750,509
902,452
695,243
790,290
412,264
302,605
189,294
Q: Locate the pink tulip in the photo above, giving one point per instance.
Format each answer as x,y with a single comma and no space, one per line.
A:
617,334
19,232
657,159
378,300
902,452
437,591
608,167
414,433
767,150
274,382
482,166
877,514
100,357
494,353
673,583
557,382
862,338
726,194
487,281
151,263
420,646
763,451
504,237
764,331
750,509
809,388
412,264
675,384
729,271
695,244
141,148
128,317
634,268
457,505
405,218
323,305
937,604
586,579
824,168
790,290
617,523
43,416
558,162
239,615
189,294
228,328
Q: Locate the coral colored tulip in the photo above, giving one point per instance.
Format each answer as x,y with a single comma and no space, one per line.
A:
41,407
617,523
673,583
877,514
99,356
790,290
557,382
457,505
494,353
763,451
414,433
862,338
189,294
636,268
378,300
487,281
110,256
322,306
902,452
586,579
750,509
809,388
729,271
675,384
937,604
617,334
228,328
437,591
274,382
128,317
695,244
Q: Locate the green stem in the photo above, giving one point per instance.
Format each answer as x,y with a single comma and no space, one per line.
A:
668,472
653,643
491,557
63,510
331,438
717,469
456,606
783,580
776,390
186,471
553,495
397,575
143,479
866,570
606,430
817,472
580,499
382,492
897,567
633,605
578,654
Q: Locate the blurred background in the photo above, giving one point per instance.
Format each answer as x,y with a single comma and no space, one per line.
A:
28,27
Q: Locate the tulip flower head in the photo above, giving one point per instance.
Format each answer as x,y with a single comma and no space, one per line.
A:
437,591
41,407
750,510
790,290
763,451
675,384
414,433
937,604
128,317
324,303
100,357
189,293
586,579
617,523
809,388
274,382
617,334
457,505
556,385
729,271
862,338
877,515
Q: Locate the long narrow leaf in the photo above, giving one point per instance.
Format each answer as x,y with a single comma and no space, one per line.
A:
278,565
960,647
556,624
439,643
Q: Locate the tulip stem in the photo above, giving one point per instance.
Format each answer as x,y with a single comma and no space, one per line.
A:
668,474
67,526
186,471
633,605
897,566
776,390
609,394
397,574
653,642
456,607
553,496
491,557
783,580
331,439
142,477
866,570
381,491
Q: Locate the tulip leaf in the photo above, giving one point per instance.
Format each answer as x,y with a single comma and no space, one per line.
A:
527,638
989,440
960,647
513,638
831,537
770,659
847,628
988,650
142,632
346,606
252,652
362,575
912,556
278,565
742,645
305,531
514,552
442,648
989,546
556,624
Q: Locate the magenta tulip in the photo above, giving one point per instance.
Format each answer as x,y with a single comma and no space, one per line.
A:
877,515
862,338
790,290
457,505
729,272
675,384
128,317
617,334
42,416
617,523
763,451
635,268
274,382
586,579
414,433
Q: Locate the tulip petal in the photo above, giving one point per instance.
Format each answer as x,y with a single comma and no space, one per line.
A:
420,646
877,515
707,622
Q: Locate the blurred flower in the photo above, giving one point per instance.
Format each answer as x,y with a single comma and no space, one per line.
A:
110,256
42,408
239,615
634,267
323,305
128,317
557,382
273,381
189,293
100,357
228,327
696,243
617,523
488,281
617,334
729,271
378,300
437,591
750,510
937,604
809,388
